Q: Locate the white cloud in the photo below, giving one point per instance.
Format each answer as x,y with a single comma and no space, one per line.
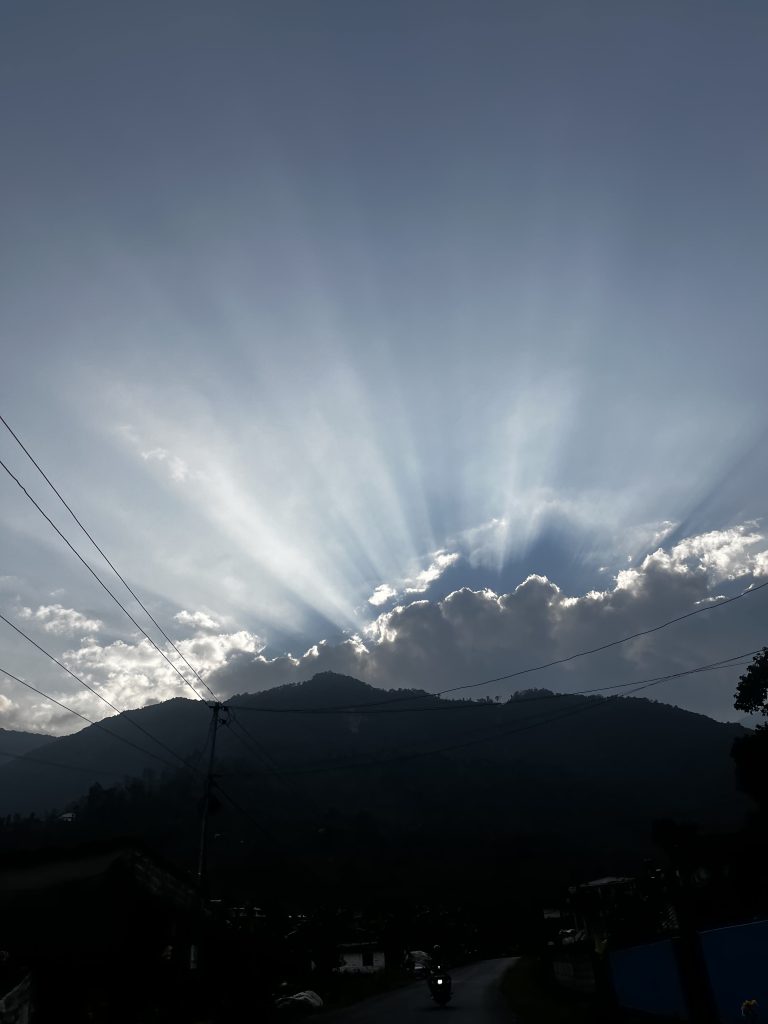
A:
133,675
662,531
382,594
726,554
60,621
598,532
475,634
177,467
419,583
200,620
422,581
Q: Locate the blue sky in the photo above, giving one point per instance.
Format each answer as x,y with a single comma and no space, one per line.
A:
300,299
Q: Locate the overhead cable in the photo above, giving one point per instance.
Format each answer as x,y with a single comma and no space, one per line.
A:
92,689
502,733
101,551
458,706
98,579
85,718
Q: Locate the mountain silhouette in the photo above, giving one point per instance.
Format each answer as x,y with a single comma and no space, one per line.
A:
372,783
13,742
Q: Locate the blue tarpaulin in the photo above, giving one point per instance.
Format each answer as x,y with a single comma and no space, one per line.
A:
646,978
737,963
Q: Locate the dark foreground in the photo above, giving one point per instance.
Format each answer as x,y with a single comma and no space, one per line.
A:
477,999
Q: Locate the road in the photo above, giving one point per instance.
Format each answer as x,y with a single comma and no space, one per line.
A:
476,1000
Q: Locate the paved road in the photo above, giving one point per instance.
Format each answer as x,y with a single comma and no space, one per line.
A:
476,1000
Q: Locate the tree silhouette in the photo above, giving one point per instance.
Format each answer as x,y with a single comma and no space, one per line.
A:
750,753
752,690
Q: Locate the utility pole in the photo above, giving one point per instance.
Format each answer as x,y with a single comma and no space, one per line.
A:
203,849
216,709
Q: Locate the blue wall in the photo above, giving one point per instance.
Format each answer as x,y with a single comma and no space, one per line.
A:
646,978
737,962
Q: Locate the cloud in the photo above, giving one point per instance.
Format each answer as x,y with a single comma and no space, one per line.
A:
134,674
177,467
470,634
419,583
200,620
382,594
725,554
19,715
60,621
598,533
423,580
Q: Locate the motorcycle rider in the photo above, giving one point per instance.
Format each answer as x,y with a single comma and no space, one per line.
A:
437,960
439,980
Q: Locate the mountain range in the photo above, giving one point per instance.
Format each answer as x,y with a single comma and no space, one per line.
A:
13,743
375,783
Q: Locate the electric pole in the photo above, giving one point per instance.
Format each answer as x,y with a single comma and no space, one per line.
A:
203,849
216,709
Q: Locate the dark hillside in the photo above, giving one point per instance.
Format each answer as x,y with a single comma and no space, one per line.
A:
12,742
369,787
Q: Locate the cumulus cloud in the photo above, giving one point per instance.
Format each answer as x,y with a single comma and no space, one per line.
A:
725,554
471,635
61,621
133,675
443,560
42,717
475,634
382,594
199,620
419,583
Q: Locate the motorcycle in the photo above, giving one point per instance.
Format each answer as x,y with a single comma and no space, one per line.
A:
440,987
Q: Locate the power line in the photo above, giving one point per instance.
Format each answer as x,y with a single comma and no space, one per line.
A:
454,689
92,689
248,740
244,737
612,643
215,708
212,728
98,579
246,814
458,706
100,771
538,668
638,686
101,551
58,764
416,755
85,718
277,843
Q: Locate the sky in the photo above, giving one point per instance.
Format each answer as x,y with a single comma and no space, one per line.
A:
419,340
